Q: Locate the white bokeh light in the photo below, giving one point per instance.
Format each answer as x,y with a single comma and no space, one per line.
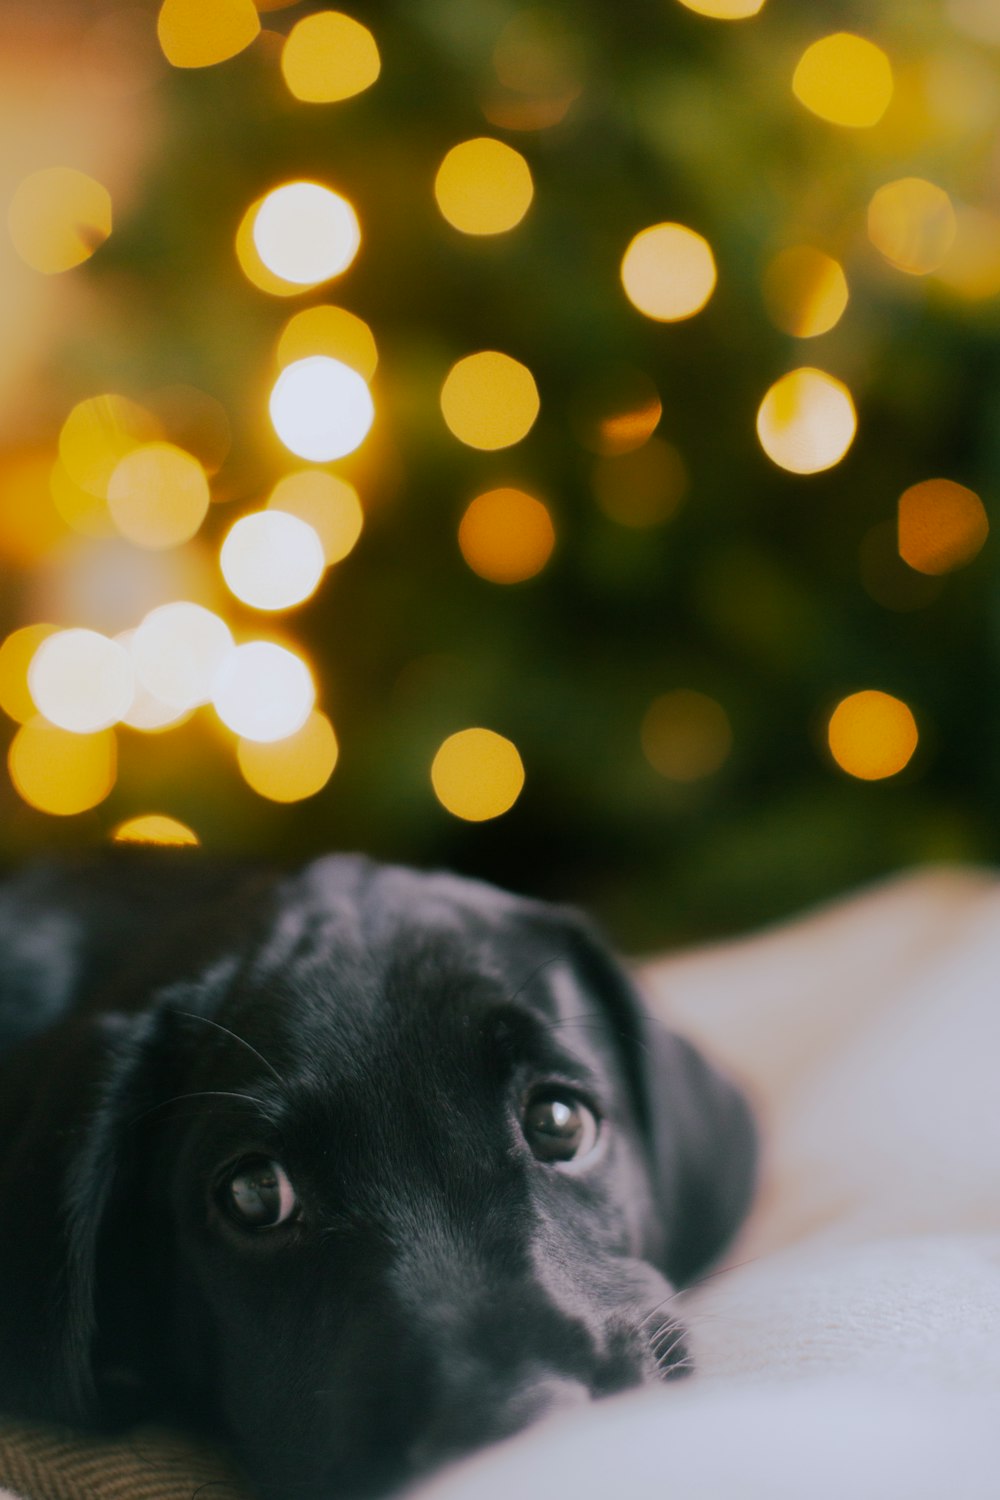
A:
306,233
321,408
178,650
263,692
272,560
81,681
146,712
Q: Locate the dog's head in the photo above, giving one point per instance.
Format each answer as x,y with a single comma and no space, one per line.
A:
395,1174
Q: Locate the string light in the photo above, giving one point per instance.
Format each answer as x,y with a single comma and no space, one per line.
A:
272,560
291,769
805,291
305,233
328,503
668,272
328,57
81,681
178,650
57,218
942,526
483,187
263,691
872,735
154,828
489,400
807,421
332,331
912,223
16,655
147,713
158,495
59,772
193,34
321,409
845,79
506,535
477,774
725,10
98,433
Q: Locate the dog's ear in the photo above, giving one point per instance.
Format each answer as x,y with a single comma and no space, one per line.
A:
698,1128
67,1100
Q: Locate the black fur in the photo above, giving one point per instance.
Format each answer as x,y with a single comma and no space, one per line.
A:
376,1031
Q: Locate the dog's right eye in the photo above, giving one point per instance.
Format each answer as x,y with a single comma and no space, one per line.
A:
257,1193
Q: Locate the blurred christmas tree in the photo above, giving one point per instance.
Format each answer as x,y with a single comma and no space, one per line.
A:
669,313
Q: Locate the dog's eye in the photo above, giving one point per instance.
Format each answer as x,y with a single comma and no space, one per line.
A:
559,1127
258,1193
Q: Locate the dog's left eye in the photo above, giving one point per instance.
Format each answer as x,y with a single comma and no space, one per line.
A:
258,1194
559,1127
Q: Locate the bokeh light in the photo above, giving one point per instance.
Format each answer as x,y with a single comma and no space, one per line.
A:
805,291
154,828
506,535
263,692
272,560
16,656
57,218
489,400
477,774
329,56
147,713
912,223
321,408
806,422
725,10
887,579
30,524
616,411
81,510
305,233
328,503
686,735
872,735
81,681
483,186
59,772
178,650
291,769
668,272
332,331
972,265
641,488
845,79
196,34
942,526
97,434
158,495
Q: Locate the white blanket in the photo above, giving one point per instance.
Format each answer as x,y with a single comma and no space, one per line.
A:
852,1346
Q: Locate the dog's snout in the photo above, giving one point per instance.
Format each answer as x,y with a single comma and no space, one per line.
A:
488,1413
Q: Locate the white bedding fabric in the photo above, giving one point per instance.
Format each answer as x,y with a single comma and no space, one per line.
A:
852,1346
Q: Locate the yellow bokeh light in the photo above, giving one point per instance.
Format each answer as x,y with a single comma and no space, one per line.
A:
158,496
483,186
329,56
642,488
59,772
321,409
154,828
177,651
196,34
263,692
328,503
57,218
81,681
686,735
872,735
805,291
16,655
291,769
972,266
725,10
506,536
477,774
82,511
251,264
332,331
844,79
30,525
912,223
97,435
668,272
306,233
489,400
941,526
807,421
272,560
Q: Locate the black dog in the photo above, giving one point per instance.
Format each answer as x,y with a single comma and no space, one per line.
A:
358,1167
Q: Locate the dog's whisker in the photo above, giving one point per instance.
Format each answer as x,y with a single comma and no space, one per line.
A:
192,1015
197,1094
